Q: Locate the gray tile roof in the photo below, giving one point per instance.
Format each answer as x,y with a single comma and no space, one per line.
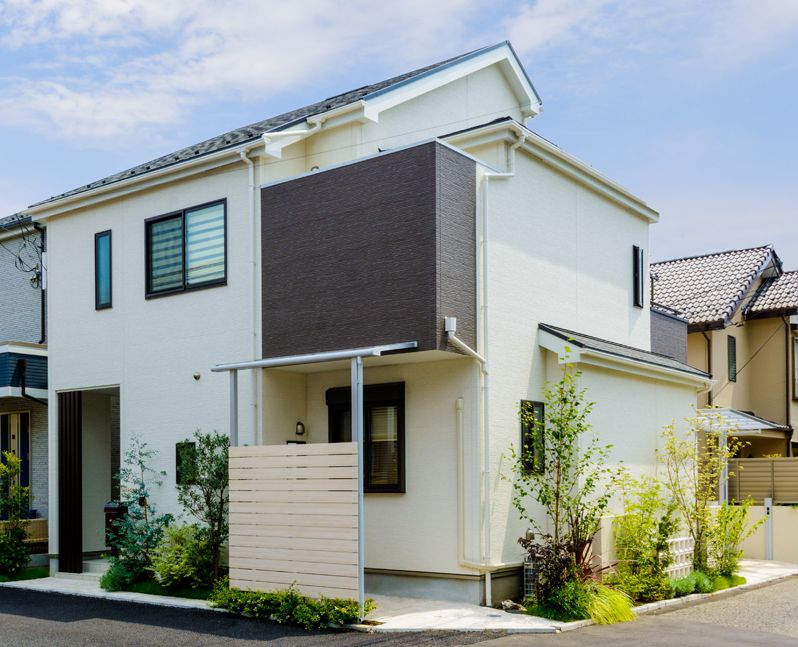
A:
777,295
12,220
253,131
621,350
707,290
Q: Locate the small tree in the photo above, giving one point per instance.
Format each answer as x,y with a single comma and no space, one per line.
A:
695,463
138,533
203,493
14,504
572,482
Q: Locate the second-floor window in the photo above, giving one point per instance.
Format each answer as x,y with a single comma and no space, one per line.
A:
102,270
638,271
532,439
732,353
187,249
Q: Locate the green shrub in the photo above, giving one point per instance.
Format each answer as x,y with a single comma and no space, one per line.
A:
288,607
182,559
608,606
117,577
641,587
684,586
729,528
14,551
703,583
571,600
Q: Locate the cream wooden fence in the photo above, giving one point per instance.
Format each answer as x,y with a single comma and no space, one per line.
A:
758,478
294,518
36,529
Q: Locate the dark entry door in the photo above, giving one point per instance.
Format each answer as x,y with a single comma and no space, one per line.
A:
70,492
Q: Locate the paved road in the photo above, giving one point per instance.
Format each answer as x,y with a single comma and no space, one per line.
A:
767,616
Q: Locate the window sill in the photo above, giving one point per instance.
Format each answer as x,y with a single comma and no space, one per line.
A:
193,288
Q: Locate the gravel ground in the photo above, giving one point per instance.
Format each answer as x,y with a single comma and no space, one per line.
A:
772,609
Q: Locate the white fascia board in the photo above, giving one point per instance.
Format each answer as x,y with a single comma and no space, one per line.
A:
23,348
563,162
570,353
178,171
503,55
16,392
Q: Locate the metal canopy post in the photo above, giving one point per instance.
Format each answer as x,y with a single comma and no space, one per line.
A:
234,408
357,436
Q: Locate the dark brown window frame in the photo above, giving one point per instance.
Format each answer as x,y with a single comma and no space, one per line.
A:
148,293
97,304
538,462
339,401
639,273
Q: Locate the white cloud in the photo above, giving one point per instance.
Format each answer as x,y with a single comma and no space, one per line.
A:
158,59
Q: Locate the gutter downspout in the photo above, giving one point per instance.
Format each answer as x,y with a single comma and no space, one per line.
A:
709,365
483,363
255,300
22,366
43,249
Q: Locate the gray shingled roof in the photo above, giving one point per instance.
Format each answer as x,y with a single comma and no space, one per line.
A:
707,290
12,220
777,295
621,350
253,131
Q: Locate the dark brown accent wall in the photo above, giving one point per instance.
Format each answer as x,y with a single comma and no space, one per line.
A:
70,493
374,252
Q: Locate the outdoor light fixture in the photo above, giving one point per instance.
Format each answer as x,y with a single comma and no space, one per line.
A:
197,375
300,429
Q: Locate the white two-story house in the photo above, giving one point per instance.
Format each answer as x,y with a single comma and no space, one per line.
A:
374,218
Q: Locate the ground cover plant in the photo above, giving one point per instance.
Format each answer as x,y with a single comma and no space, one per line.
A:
30,573
288,607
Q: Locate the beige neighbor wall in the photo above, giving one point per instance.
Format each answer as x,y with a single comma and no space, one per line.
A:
562,254
417,530
785,531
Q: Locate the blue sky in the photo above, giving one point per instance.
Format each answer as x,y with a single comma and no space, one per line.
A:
690,104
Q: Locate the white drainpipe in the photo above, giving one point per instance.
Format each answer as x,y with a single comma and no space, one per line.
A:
483,359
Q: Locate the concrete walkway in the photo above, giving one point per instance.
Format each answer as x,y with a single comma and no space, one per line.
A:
397,614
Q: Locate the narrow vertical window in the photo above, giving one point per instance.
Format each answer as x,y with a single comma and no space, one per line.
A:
639,273
205,258
795,368
532,442
185,463
732,348
102,270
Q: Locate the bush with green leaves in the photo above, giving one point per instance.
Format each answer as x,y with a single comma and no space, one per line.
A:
203,494
138,533
729,527
696,582
577,600
572,479
641,535
15,501
182,559
288,607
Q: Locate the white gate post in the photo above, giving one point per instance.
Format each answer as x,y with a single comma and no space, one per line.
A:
768,528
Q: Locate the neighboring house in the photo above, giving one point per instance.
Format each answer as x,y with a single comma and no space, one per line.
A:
739,310
23,355
360,221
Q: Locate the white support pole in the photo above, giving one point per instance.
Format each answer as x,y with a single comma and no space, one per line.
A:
234,408
357,436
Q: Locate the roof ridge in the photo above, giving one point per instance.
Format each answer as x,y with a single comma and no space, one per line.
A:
768,246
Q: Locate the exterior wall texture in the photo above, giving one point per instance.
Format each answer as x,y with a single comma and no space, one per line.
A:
20,304
669,336
370,253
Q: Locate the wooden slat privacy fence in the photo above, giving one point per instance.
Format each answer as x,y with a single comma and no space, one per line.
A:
758,478
293,518
36,529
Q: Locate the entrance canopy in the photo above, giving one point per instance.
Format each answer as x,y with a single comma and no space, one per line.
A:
742,424
356,356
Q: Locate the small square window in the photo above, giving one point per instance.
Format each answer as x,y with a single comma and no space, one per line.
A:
532,437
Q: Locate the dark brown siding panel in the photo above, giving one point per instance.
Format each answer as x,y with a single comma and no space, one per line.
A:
457,295
70,495
351,255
